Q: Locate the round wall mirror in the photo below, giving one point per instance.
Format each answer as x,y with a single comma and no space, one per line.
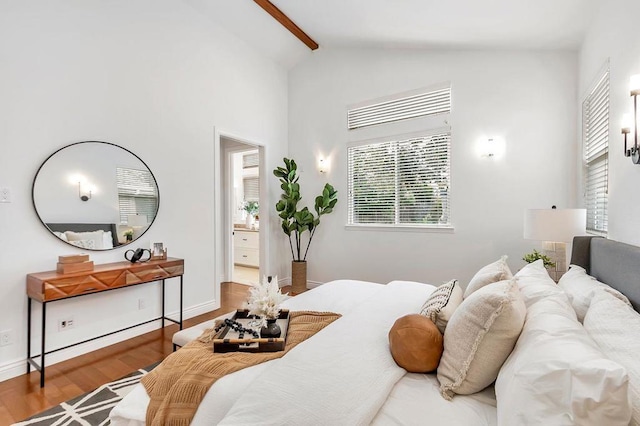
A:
95,195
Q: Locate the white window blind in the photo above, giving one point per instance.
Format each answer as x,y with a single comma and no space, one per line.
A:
137,193
595,131
401,108
251,188
250,160
400,182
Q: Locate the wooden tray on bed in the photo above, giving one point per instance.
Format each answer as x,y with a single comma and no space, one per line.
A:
227,340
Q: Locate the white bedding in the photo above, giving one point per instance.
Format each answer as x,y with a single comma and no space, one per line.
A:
405,398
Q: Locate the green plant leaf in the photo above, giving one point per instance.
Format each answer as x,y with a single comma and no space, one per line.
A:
297,221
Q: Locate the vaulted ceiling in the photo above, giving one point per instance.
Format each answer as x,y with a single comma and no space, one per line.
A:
450,24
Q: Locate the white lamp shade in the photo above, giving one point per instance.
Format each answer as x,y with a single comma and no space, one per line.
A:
634,84
137,220
556,225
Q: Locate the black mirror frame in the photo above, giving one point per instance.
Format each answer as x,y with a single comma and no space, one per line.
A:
33,198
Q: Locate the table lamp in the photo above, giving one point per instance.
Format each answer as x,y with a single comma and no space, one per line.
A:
555,227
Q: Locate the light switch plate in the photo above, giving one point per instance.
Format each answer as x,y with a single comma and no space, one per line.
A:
5,195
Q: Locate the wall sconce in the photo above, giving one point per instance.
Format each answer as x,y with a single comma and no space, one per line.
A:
634,90
490,147
323,165
84,195
85,188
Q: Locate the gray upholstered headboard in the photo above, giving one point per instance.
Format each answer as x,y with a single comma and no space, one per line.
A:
611,262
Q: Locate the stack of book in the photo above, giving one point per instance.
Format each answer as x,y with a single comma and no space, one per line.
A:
74,263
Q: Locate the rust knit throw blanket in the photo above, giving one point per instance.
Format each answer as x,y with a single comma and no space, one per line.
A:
177,386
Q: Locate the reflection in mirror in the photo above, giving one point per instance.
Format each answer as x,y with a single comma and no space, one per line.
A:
95,195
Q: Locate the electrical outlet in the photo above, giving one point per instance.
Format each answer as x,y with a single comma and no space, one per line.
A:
5,195
142,304
65,324
6,337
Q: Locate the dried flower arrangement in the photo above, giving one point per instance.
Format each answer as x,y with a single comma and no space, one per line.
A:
265,298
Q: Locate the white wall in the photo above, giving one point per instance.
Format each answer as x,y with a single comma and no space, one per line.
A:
56,194
527,98
155,77
614,35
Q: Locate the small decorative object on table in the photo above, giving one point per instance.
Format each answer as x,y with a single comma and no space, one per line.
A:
137,255
532,257
238,334
251,208
264,302
74,263
158,251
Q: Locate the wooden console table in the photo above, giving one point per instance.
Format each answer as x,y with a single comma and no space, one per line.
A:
50,286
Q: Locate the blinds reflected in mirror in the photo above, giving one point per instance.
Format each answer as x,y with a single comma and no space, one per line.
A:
137,193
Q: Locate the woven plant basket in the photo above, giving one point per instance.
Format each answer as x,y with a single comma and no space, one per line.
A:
298,277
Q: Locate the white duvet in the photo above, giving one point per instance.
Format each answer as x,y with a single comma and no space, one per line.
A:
343,375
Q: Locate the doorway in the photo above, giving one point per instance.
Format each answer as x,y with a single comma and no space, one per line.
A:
242,206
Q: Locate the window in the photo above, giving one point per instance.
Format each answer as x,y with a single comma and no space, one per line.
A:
595,135
414,104
400,181
250,176
137,193
251,187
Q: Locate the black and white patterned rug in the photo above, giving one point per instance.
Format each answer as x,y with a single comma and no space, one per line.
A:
90,409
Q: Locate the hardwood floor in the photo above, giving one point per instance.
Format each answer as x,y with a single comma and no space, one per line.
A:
22,396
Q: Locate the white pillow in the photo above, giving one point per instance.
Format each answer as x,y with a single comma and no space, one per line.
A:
615,327
556,374
442,303
60,235
536,284
492,273
107,240
95,236
479,337
580,288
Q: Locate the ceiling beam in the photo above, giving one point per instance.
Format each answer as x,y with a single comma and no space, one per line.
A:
279,16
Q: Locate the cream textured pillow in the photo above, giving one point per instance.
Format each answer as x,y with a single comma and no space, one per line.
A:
615,327
96,236
479,337
556,375
492,273
580,288
86,244
440,306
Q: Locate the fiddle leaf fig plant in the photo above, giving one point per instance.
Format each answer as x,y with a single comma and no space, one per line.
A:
295,222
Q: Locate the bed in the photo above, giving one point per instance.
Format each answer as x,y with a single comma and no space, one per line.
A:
334,378
109,229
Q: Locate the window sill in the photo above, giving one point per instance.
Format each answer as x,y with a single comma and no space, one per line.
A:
402,228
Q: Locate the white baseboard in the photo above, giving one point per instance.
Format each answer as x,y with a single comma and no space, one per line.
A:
12,369
284,282
19,367
313,284
287,281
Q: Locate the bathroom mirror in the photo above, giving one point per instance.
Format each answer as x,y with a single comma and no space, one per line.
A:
95,195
